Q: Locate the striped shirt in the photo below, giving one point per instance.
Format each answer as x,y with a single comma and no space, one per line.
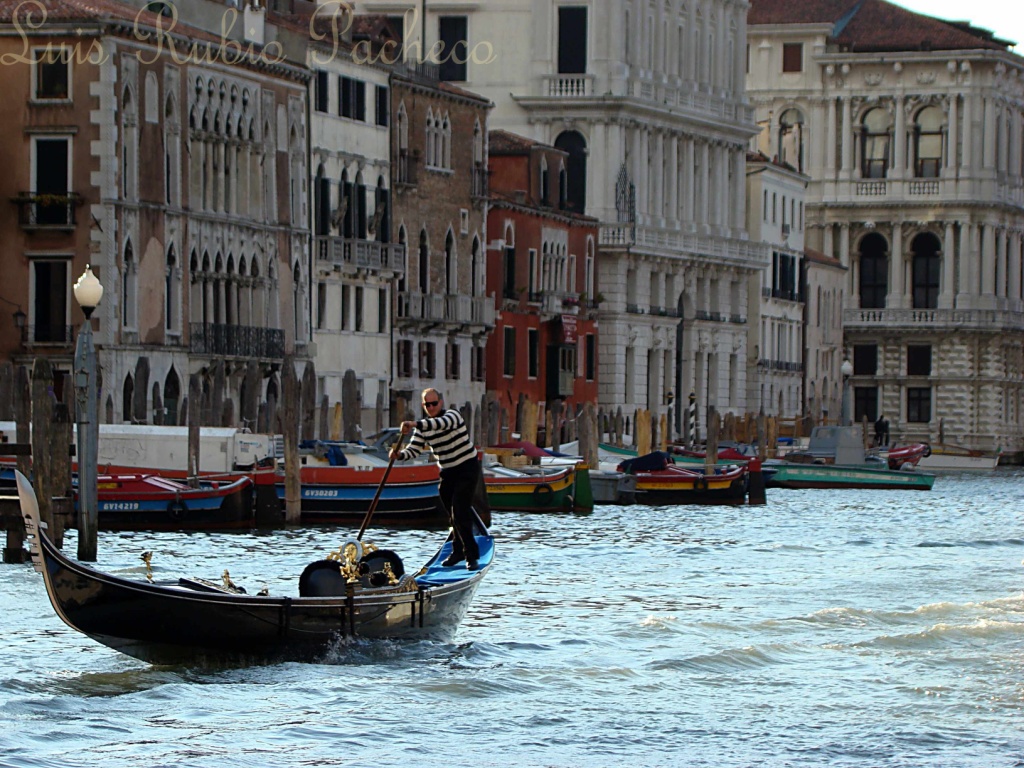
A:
446,436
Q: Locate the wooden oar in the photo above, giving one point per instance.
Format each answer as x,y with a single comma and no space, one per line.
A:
380,488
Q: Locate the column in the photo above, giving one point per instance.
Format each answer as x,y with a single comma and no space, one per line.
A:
829,140
989,157
1016,291
828,244
844,244
900,154
847,167
988,263
689,189
963,262
948,268
739,181
967,141
672,185
951,132
895,299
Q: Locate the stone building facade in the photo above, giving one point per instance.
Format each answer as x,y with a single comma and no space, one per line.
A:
775,216
912,131
648,102
180,178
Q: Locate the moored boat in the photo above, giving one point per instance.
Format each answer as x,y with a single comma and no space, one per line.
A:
131,502
341,494
906,454
660,481
792,474
949,457
538,489
355,593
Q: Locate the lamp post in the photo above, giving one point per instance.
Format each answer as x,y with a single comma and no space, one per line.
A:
847,370
88,292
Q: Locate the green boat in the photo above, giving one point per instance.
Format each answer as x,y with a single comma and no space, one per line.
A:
835,458
791,474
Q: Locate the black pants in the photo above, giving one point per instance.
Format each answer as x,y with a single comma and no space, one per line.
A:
458,486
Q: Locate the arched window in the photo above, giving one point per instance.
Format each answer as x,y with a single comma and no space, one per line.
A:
127,395
381,222
128,287
404,161
450,276
321,203
172,291
346,207
928,143
926,270
446,143
874,271
172,395
574,143
403,239
544,181
359,206
431,145
423,283
791,138
876,140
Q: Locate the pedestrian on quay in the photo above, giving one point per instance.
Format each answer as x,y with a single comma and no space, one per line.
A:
881,431
444,432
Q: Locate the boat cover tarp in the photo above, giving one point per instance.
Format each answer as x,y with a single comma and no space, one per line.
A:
649,462
331,451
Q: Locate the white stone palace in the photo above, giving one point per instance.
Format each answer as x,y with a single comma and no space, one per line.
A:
911,130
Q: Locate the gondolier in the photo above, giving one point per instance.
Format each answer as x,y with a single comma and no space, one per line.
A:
444,432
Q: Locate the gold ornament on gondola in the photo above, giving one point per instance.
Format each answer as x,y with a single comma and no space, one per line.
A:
146,558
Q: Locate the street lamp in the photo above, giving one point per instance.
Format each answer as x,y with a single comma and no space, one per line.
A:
847,371
88,292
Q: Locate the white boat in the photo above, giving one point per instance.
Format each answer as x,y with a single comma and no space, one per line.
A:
949,457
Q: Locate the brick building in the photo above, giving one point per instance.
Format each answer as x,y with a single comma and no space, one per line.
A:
541,270
439,192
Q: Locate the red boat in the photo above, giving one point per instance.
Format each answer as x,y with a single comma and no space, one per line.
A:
903,454
130,502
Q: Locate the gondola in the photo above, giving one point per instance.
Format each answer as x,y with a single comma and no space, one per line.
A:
353,593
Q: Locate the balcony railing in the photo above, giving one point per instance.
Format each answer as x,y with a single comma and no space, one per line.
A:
236,340
361,254
573,86
938,319
37,210
453,309
619,234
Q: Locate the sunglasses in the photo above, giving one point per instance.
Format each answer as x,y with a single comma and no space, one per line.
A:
431,403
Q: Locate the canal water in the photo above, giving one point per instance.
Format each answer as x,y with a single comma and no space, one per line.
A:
828,628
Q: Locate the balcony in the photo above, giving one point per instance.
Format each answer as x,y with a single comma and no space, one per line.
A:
986,320
360,254
236,341
38,210
574,86
676,242
449,311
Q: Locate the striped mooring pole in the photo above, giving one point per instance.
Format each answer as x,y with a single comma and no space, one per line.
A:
691,420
